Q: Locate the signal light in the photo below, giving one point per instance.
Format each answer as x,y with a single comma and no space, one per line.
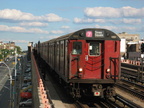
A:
97,93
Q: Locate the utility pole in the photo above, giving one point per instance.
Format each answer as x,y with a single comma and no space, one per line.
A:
14,91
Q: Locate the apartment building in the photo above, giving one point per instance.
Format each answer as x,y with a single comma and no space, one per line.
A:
9,45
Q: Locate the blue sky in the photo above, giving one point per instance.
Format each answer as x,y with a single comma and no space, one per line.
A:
33,20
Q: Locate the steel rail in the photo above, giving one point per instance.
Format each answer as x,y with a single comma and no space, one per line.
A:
127,102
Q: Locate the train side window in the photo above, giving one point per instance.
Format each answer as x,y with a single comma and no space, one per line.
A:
115,46
94,49
77,48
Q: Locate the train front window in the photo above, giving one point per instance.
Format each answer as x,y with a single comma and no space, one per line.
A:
94,49
77,48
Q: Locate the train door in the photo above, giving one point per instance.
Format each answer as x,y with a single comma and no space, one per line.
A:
93,60
76,58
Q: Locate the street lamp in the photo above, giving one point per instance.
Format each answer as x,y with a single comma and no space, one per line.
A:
14,88
10,82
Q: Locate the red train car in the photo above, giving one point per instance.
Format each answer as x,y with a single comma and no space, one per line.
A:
87,61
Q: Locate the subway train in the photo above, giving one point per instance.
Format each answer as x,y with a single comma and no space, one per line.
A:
86,61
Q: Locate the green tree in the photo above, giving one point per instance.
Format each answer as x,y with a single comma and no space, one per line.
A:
18,49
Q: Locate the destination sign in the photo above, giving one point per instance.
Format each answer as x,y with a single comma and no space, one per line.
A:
99,34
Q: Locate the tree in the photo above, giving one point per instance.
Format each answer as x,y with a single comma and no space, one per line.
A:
18,49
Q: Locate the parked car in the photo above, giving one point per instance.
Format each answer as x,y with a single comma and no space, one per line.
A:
26,103
28,70
26,84
27,79
27,74
26,95
28,65
26,88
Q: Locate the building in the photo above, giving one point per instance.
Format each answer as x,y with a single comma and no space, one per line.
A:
132,45
129,37
9,46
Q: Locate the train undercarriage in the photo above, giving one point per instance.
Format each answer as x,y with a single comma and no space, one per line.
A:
91,90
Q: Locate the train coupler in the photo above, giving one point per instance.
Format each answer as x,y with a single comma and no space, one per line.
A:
110,92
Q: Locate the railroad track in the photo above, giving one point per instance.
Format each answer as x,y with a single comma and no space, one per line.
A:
126,102
131,89
115,102
132,73
81,105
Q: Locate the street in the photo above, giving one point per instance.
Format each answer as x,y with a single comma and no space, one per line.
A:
5,91
5,96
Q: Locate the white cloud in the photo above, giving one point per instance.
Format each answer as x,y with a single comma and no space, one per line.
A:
48,37
88,20
131,21
21,29
21,41
14,14
52,18
106,27
119,29
36,30
16,41
65,27
56,32
114,21
101,12
109,12
36,24
17,15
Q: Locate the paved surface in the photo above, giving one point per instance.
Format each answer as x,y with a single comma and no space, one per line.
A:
3,76
54,96
5,96
5,84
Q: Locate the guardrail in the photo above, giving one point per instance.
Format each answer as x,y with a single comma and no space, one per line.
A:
40,99
133,62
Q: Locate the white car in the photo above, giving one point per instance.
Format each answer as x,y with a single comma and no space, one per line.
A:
28,70
26,103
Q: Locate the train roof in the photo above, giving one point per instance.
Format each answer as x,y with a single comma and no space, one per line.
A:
89,34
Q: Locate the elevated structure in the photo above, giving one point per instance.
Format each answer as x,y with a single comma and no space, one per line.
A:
130,44
129,37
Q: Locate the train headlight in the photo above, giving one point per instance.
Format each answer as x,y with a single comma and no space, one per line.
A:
108,70
80,72
80,69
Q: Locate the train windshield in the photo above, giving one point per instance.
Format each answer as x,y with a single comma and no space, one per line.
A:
94,49
77,48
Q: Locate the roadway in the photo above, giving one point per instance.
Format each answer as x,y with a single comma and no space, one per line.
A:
5,84
5,96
